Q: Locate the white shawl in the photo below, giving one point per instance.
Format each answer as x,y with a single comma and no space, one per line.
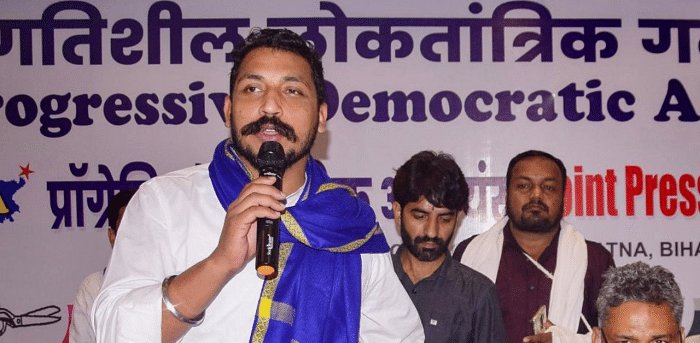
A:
566,297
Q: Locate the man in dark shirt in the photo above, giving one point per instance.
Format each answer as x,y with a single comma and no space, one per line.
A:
455,303
535,258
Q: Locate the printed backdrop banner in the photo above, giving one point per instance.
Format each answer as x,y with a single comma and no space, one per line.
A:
99,96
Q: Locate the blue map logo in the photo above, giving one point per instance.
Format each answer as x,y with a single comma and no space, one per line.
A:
8,206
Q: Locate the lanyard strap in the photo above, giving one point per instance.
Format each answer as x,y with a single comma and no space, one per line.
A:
551,277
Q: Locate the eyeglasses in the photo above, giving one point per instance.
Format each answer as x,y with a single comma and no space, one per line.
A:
679,338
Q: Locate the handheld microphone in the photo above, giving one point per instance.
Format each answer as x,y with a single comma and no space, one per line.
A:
271,162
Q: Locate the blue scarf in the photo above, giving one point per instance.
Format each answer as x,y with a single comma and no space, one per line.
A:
317,293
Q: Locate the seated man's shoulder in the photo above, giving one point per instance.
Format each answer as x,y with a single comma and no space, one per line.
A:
91,283
93,278
471,280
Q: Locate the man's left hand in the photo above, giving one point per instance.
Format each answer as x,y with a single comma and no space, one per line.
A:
542,336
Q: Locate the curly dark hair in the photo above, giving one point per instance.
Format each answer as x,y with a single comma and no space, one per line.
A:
281,39
435,176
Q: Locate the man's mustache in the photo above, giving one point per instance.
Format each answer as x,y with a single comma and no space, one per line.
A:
282,128
436,240
535,203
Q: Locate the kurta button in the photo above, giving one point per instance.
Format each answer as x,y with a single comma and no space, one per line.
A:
415,291
532,287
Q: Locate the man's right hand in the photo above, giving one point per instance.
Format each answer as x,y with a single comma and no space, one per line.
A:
237,245
194,289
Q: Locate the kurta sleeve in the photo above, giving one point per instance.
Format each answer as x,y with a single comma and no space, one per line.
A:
80,330
128,307
387,313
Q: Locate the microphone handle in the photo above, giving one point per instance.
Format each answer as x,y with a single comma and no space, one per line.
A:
268,234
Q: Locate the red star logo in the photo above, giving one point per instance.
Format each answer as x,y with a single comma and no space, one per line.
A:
25,171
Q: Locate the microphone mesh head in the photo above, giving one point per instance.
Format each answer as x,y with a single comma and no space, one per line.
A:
271,158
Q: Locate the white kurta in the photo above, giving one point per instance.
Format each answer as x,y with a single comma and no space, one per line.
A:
80,325
173,222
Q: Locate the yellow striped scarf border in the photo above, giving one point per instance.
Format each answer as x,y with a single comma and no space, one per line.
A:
358,243
268,293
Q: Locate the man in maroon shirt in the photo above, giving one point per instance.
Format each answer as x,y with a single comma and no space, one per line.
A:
535,258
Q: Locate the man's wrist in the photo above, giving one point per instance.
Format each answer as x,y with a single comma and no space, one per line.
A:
172,308
221,266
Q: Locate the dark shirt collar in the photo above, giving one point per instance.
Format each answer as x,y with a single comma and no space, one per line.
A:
443,271
509,242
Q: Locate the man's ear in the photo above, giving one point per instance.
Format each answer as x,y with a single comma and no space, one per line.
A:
596,336
227,111
111,235
322,117
397,213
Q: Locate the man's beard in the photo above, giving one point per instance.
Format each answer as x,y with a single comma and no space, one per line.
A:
534,224
286,131
421,254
